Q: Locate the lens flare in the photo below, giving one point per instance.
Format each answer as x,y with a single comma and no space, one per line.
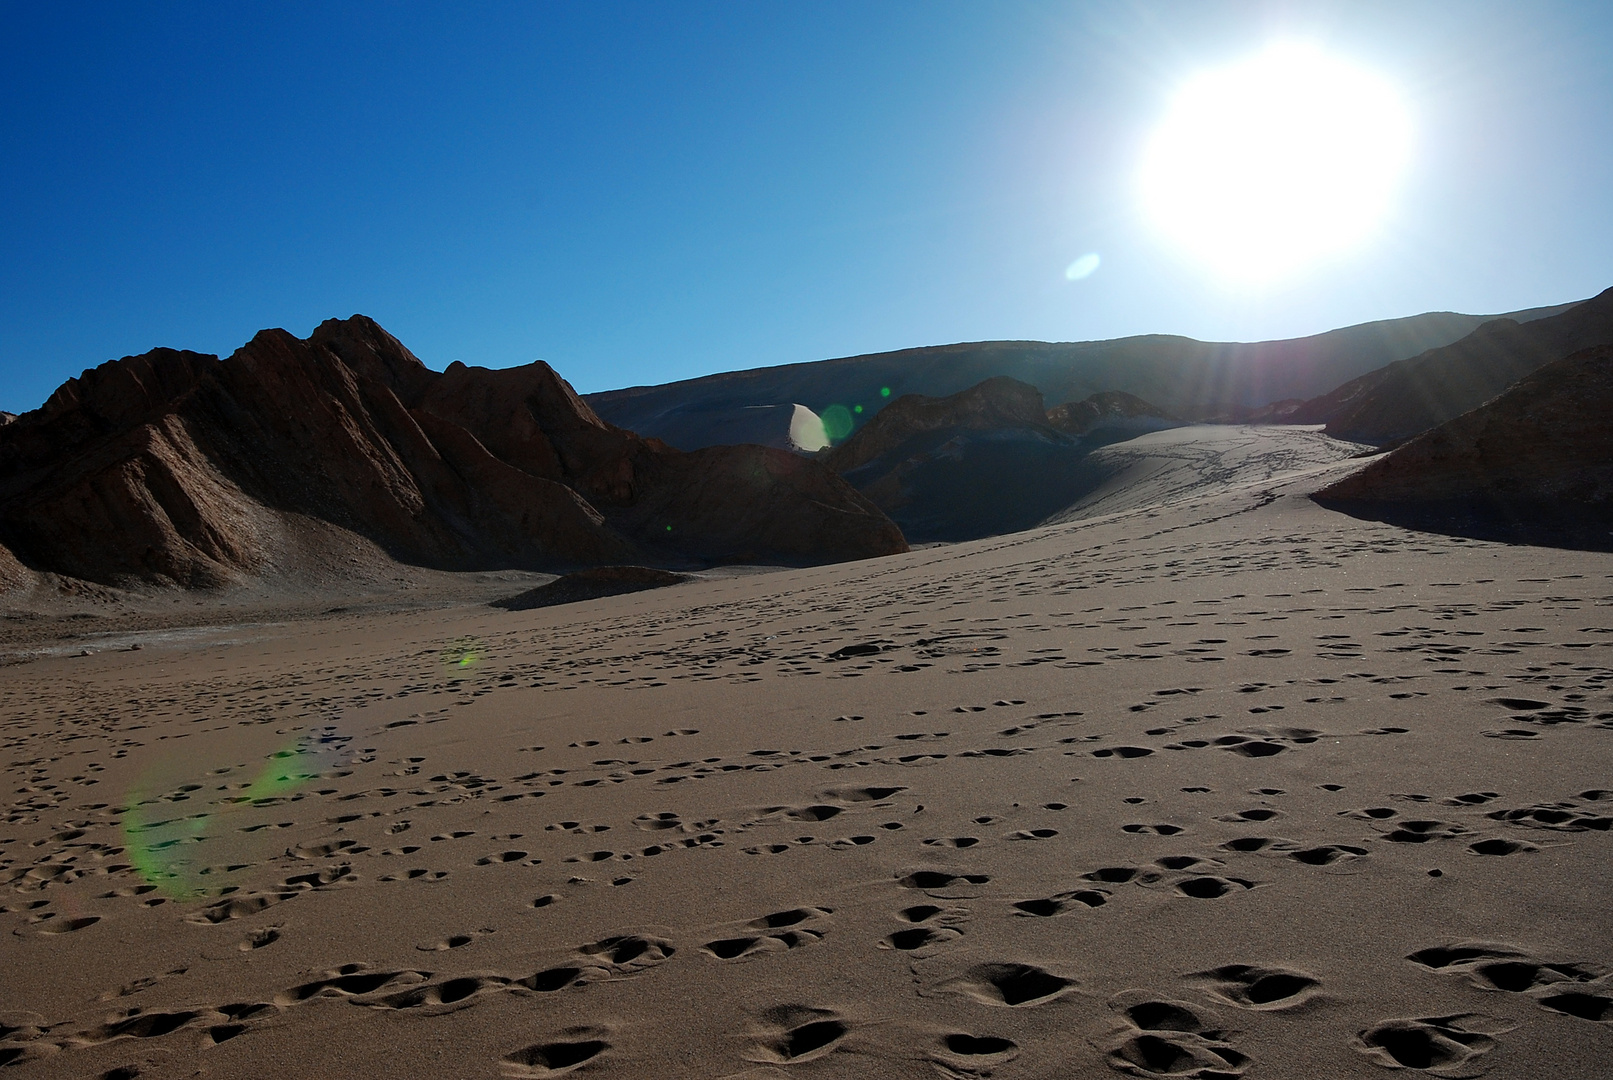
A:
160,849
1082,268
837,422
806,430
462,655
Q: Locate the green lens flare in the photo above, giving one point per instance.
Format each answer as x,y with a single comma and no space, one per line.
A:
159,851
884,391
279,777
837,422
461,656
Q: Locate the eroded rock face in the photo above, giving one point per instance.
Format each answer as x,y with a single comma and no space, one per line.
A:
996,403
1535,464
985,461
1411,396
177,467
1110,409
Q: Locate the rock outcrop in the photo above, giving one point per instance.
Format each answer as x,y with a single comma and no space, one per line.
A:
992,405
1411,396
1534,465
177,467
1111,410
987,460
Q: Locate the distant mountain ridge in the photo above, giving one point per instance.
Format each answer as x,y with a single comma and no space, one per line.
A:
286,458
1186,378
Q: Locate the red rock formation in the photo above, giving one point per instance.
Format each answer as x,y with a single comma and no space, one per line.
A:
178,467
1535,464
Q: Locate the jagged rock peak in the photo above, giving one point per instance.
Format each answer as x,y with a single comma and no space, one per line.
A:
178,468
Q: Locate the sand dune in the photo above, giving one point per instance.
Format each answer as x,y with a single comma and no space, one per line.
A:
1211,785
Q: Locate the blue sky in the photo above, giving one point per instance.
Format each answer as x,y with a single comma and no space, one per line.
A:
643,192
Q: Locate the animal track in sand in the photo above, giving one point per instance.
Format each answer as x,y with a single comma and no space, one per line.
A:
1438,1045
1328,854
1251,844
454,941
1162,1038
1262,988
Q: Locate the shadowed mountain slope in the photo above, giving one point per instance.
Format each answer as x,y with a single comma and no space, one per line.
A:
1411,396
986,460
1534,465
175,467
1187,378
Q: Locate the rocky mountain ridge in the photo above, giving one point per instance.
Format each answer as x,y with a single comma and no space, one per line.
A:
179,468
1411,396
1534,465
1195,380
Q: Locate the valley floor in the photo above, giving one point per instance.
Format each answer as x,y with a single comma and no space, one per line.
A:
1227,785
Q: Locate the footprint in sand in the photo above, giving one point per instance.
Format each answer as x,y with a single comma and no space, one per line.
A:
780,931
1059,903
563,1052
454,941
1492,966
1438,1045
1016,985
962,1054
1263,988
1160,829
1163,1038
943,884
790,1034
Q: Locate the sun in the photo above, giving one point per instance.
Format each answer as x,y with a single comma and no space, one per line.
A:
1288,157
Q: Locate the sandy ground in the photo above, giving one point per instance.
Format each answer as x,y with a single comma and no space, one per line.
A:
1225,786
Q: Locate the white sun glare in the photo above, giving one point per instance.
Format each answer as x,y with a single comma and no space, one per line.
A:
1276,161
